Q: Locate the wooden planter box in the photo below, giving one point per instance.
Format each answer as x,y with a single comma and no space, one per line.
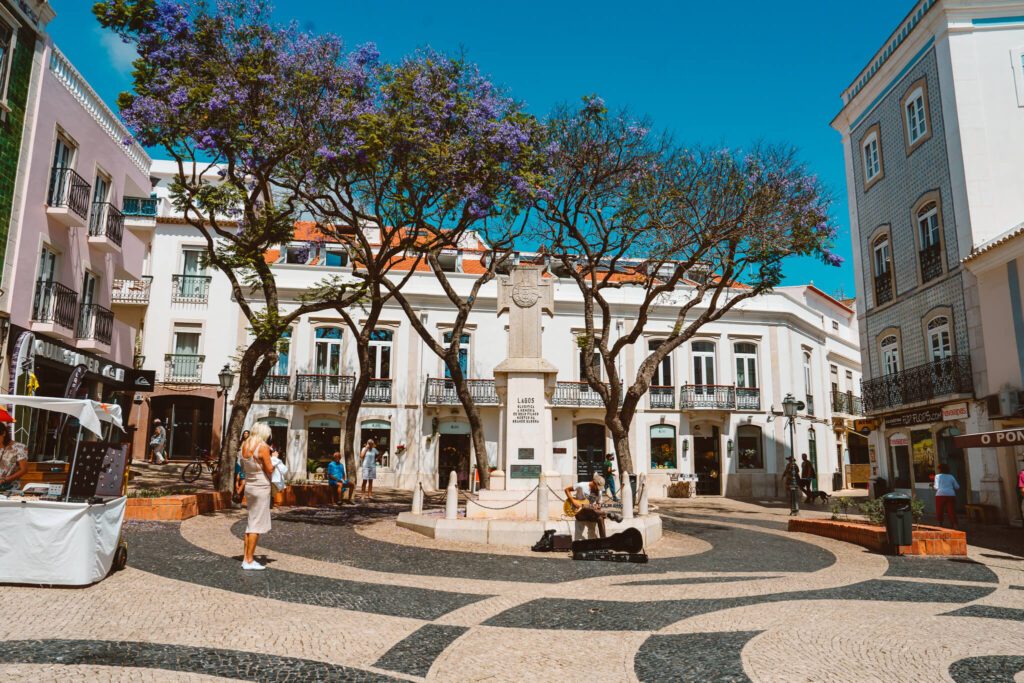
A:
184,506
928,540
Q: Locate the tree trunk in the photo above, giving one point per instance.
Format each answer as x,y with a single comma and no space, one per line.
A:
476,424
620,440
252,370
355,403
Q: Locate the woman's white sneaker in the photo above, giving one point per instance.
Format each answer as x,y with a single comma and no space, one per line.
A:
252,565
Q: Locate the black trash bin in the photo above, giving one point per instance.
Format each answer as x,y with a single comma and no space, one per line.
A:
837,481
899,520
877,487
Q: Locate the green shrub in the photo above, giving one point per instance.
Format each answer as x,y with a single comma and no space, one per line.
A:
840,507
875,511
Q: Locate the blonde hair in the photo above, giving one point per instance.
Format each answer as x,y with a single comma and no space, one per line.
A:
258,435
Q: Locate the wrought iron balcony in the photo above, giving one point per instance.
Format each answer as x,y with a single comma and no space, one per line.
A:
54,303
847,404
378,391
95,322
190,288
931,262
883,288
578,394
748,398
276,388
131,291
337,388
921,383
106,221
662,397
68,190
442,392
707,396
139,206
183,367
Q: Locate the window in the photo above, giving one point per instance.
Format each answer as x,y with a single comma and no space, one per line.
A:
463,355
939,344
882,260
808,389
890,355
44,288
100,195
835,324
929,235
749,448
917,124
186,361
327,351
8,41
663,373
88,289
380,354
928,225
882,265
1017,65
335,258
746,365
192,282
872,163
663,447
834,374
284,347
922,447
703,365
595,363
812,455
297,253
448,259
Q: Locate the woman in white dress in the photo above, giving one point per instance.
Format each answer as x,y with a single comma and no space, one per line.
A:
368,470
257,469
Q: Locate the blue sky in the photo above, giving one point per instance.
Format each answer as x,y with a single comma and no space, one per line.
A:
729,73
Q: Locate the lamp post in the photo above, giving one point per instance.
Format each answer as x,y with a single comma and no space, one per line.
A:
789,407
227,380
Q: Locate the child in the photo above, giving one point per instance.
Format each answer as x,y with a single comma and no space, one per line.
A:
280,470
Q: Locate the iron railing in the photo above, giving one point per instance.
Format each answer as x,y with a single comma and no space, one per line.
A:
662,397
95,322
931,262
846,403
68,190
378,391
132,291
748,398
578,394
276,388
883,288
713,396
441,391
336,388
106,221
54,303
139,206
921,383
190,288
183,367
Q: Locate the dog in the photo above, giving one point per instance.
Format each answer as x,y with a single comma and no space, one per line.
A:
813,495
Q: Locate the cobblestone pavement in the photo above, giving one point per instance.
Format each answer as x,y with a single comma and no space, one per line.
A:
729,595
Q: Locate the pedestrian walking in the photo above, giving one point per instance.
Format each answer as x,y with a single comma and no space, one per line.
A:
609,479
258,470
368,469
945,486
156,443
807,475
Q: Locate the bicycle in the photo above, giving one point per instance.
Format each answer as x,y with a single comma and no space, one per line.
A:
194,469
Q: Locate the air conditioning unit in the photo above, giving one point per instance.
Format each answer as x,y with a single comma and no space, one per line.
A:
1005,403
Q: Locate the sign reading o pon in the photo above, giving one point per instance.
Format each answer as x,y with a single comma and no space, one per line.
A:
1006,437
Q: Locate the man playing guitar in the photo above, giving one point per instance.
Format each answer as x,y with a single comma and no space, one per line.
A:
589,510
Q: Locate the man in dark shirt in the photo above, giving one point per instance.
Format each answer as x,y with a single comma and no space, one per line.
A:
807,474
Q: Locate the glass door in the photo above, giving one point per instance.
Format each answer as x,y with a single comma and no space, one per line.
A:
44,291
704,367
192,283
185,363
87,310
59,179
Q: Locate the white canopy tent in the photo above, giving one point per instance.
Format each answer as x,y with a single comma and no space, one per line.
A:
89,413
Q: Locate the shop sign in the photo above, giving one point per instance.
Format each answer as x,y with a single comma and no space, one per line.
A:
445,428
865,427
957,411
524,471
324,424
918,417
1005,437
663,432
899,440
142,380
70,357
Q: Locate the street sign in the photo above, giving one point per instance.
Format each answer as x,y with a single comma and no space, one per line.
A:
865,427
1005,437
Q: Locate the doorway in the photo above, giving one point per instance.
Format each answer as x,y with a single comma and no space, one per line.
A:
708,464
453,454
899,461
954,457
189,423
324,440
278,434
590,451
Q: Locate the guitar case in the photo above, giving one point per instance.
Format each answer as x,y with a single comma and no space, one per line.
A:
629,541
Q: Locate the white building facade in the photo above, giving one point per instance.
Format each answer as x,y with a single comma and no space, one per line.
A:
932,130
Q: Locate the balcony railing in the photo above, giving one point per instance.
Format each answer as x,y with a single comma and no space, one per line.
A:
139,206
442,392
707,396
95,322
748,398
337,388
578,394
931,262
378,391
883,288
662,397
68,190
190,288
106,221
847,404
276,388
54,303
131,291
921,383
183,367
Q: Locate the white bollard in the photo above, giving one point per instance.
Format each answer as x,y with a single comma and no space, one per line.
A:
627,499
451,503
417,495
643,508
542,501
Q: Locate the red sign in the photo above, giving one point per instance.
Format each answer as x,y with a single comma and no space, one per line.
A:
1006,437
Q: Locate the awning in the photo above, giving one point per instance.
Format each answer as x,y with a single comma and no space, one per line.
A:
89,413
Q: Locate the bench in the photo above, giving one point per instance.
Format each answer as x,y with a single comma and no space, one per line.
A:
986,514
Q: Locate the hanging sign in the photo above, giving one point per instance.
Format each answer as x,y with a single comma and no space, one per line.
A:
957,411
899,440
918,417
1006,437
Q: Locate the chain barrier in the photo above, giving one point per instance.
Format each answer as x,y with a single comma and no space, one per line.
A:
505,507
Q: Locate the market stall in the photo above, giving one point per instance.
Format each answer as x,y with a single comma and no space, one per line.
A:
70,537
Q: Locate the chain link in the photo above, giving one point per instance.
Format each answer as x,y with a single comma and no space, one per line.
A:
506,507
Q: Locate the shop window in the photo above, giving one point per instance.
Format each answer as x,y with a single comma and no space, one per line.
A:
324,439
749,448
380,432
922,447
663,447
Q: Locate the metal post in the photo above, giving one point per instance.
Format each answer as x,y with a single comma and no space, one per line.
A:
74,461
794,478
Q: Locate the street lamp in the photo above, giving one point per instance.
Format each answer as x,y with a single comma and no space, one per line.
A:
789,408
227,380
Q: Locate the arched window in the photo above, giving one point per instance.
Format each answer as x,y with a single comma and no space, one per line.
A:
327,351
940,345
890,349
703,365
663,447
749,448
928,224
882,256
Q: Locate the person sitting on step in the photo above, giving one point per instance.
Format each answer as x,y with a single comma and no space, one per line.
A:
338,481
587,507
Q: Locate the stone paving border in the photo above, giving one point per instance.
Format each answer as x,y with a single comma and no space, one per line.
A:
707,657
989,612
992,669
416,653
